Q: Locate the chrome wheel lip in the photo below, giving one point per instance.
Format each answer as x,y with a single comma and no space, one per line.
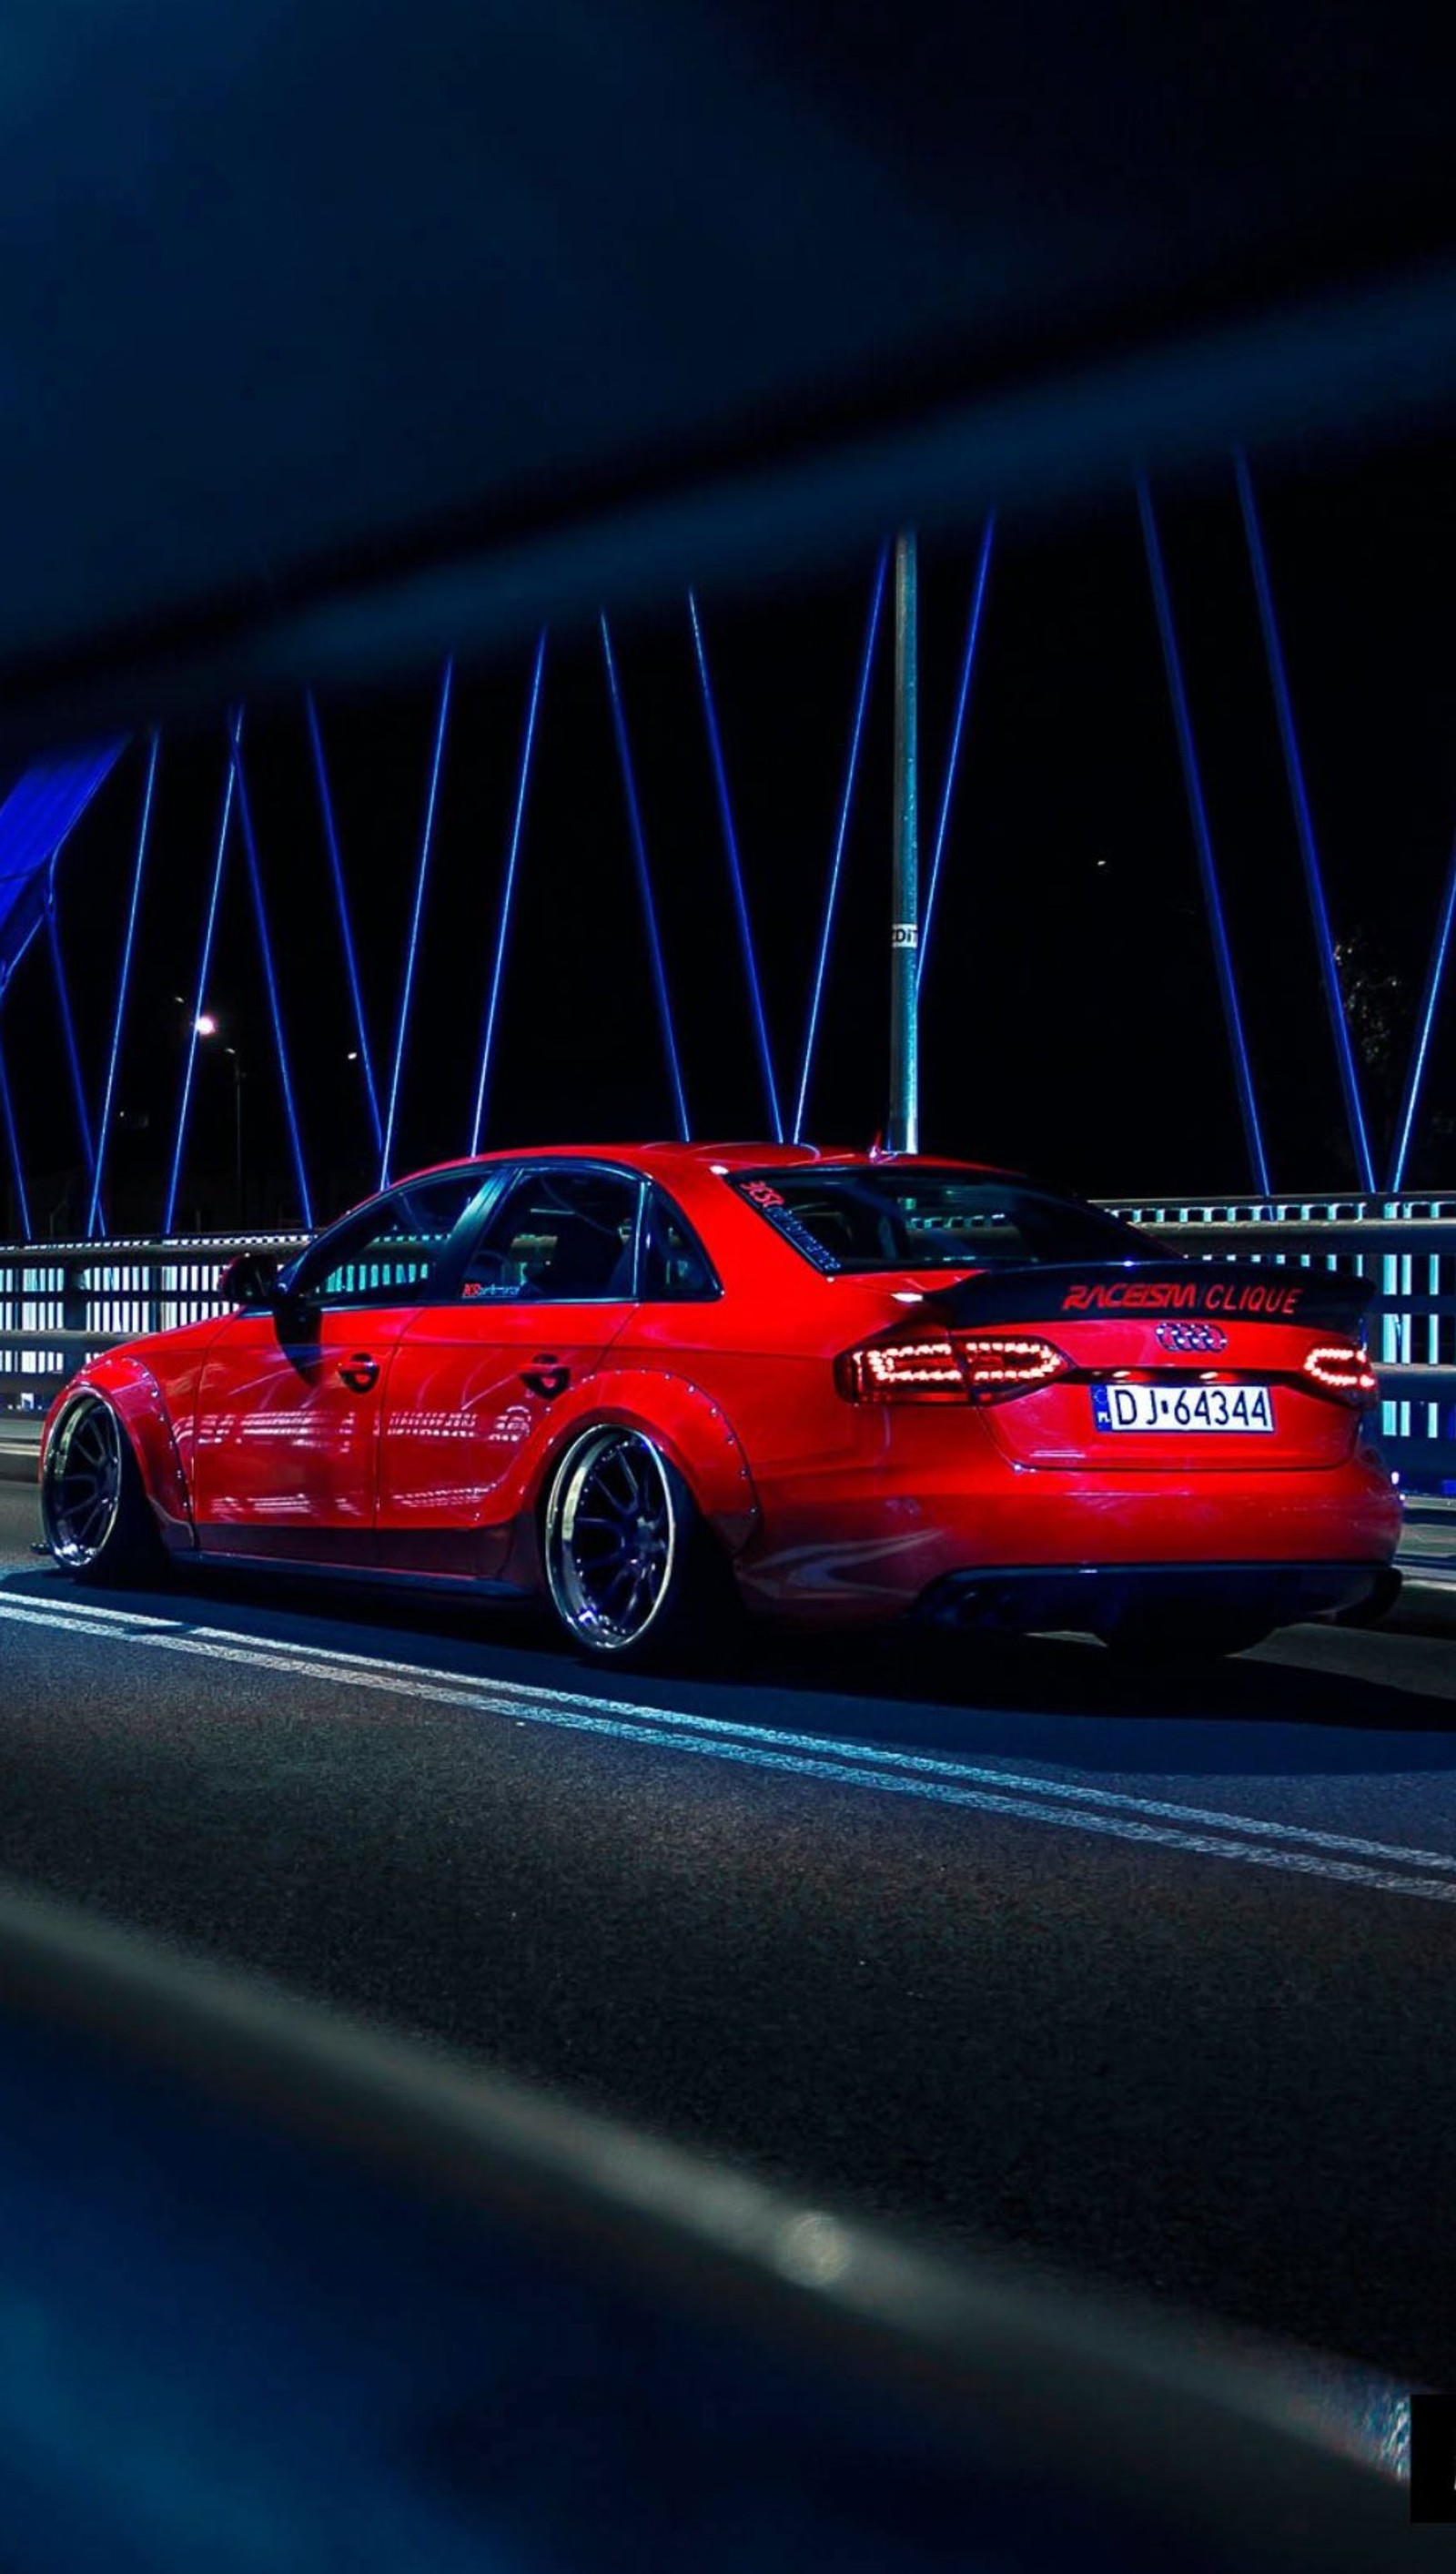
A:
587,1574
80,1496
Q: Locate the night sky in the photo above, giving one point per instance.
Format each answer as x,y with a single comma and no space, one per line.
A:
1071,1020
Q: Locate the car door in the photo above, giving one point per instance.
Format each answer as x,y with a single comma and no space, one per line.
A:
538,1299
291,1396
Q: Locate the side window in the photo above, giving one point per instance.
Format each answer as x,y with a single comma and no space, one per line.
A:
675,1264
388,1252
558,1236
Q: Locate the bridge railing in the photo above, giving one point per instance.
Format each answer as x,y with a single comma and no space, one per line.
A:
60,1302
1404,1247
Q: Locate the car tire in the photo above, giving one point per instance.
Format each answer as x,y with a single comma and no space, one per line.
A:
95,1513
633,1576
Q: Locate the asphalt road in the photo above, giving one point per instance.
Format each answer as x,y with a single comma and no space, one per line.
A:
1003,1943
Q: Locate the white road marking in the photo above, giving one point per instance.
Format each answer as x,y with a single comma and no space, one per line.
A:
982,1788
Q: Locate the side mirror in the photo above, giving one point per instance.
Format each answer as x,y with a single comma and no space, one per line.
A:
251,1279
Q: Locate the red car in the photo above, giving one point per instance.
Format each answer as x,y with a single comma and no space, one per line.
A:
654,1383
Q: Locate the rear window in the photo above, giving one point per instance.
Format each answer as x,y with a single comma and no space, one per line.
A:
887,1218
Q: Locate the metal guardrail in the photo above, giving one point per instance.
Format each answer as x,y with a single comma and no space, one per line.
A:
61,1302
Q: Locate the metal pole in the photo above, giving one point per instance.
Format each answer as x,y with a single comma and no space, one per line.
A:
903,1133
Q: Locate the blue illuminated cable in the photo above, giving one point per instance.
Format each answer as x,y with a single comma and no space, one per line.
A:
203,971
967,667
68,1023
1430,1001
1203,841
1313,877
832,895
93,1216
7,1111
507,896
427,840
351,958
735,873
644,886
259,909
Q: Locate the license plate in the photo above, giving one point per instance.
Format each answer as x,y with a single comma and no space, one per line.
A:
1183,1407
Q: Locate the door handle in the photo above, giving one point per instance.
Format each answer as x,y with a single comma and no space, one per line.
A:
547,1376
360,1373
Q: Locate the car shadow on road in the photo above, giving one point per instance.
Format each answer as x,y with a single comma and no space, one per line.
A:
1318,1699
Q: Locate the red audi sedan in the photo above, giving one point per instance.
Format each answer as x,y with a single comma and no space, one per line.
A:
656,1385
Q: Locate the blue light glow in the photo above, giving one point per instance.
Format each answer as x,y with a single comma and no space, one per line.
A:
351,959
1203,841
507,896
1313,877
204,969
255,879
735,873
1430,999
68,1025
427,840
7,1111
93,1217
832,896
644,886
967,667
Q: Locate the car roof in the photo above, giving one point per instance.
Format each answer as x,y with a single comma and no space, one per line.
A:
666,1157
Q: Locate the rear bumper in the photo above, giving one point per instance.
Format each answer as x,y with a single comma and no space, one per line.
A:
871,1543
1099,1599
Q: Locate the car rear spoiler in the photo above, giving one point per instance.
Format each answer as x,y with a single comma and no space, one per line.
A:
1220,1290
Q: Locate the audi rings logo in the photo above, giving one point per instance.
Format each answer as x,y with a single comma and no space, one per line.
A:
1191,1336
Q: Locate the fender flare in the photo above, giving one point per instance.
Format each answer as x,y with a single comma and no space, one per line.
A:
133,1394
694,1433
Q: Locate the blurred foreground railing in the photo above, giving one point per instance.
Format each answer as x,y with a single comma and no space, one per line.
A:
61,1302
284,2292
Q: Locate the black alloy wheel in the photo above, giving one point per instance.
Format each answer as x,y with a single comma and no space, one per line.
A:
94,1512
631,1570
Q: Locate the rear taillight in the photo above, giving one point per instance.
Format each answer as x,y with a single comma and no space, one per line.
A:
918,1369
934,1367
1339,1368
998,1364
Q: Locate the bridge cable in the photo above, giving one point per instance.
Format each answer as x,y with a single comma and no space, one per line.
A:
831,894
94,1218
68,1022
346,927
645,884
736,876
203,971
1203,842
508,893
427,841
7,1111
1304,825
255,879
952,762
